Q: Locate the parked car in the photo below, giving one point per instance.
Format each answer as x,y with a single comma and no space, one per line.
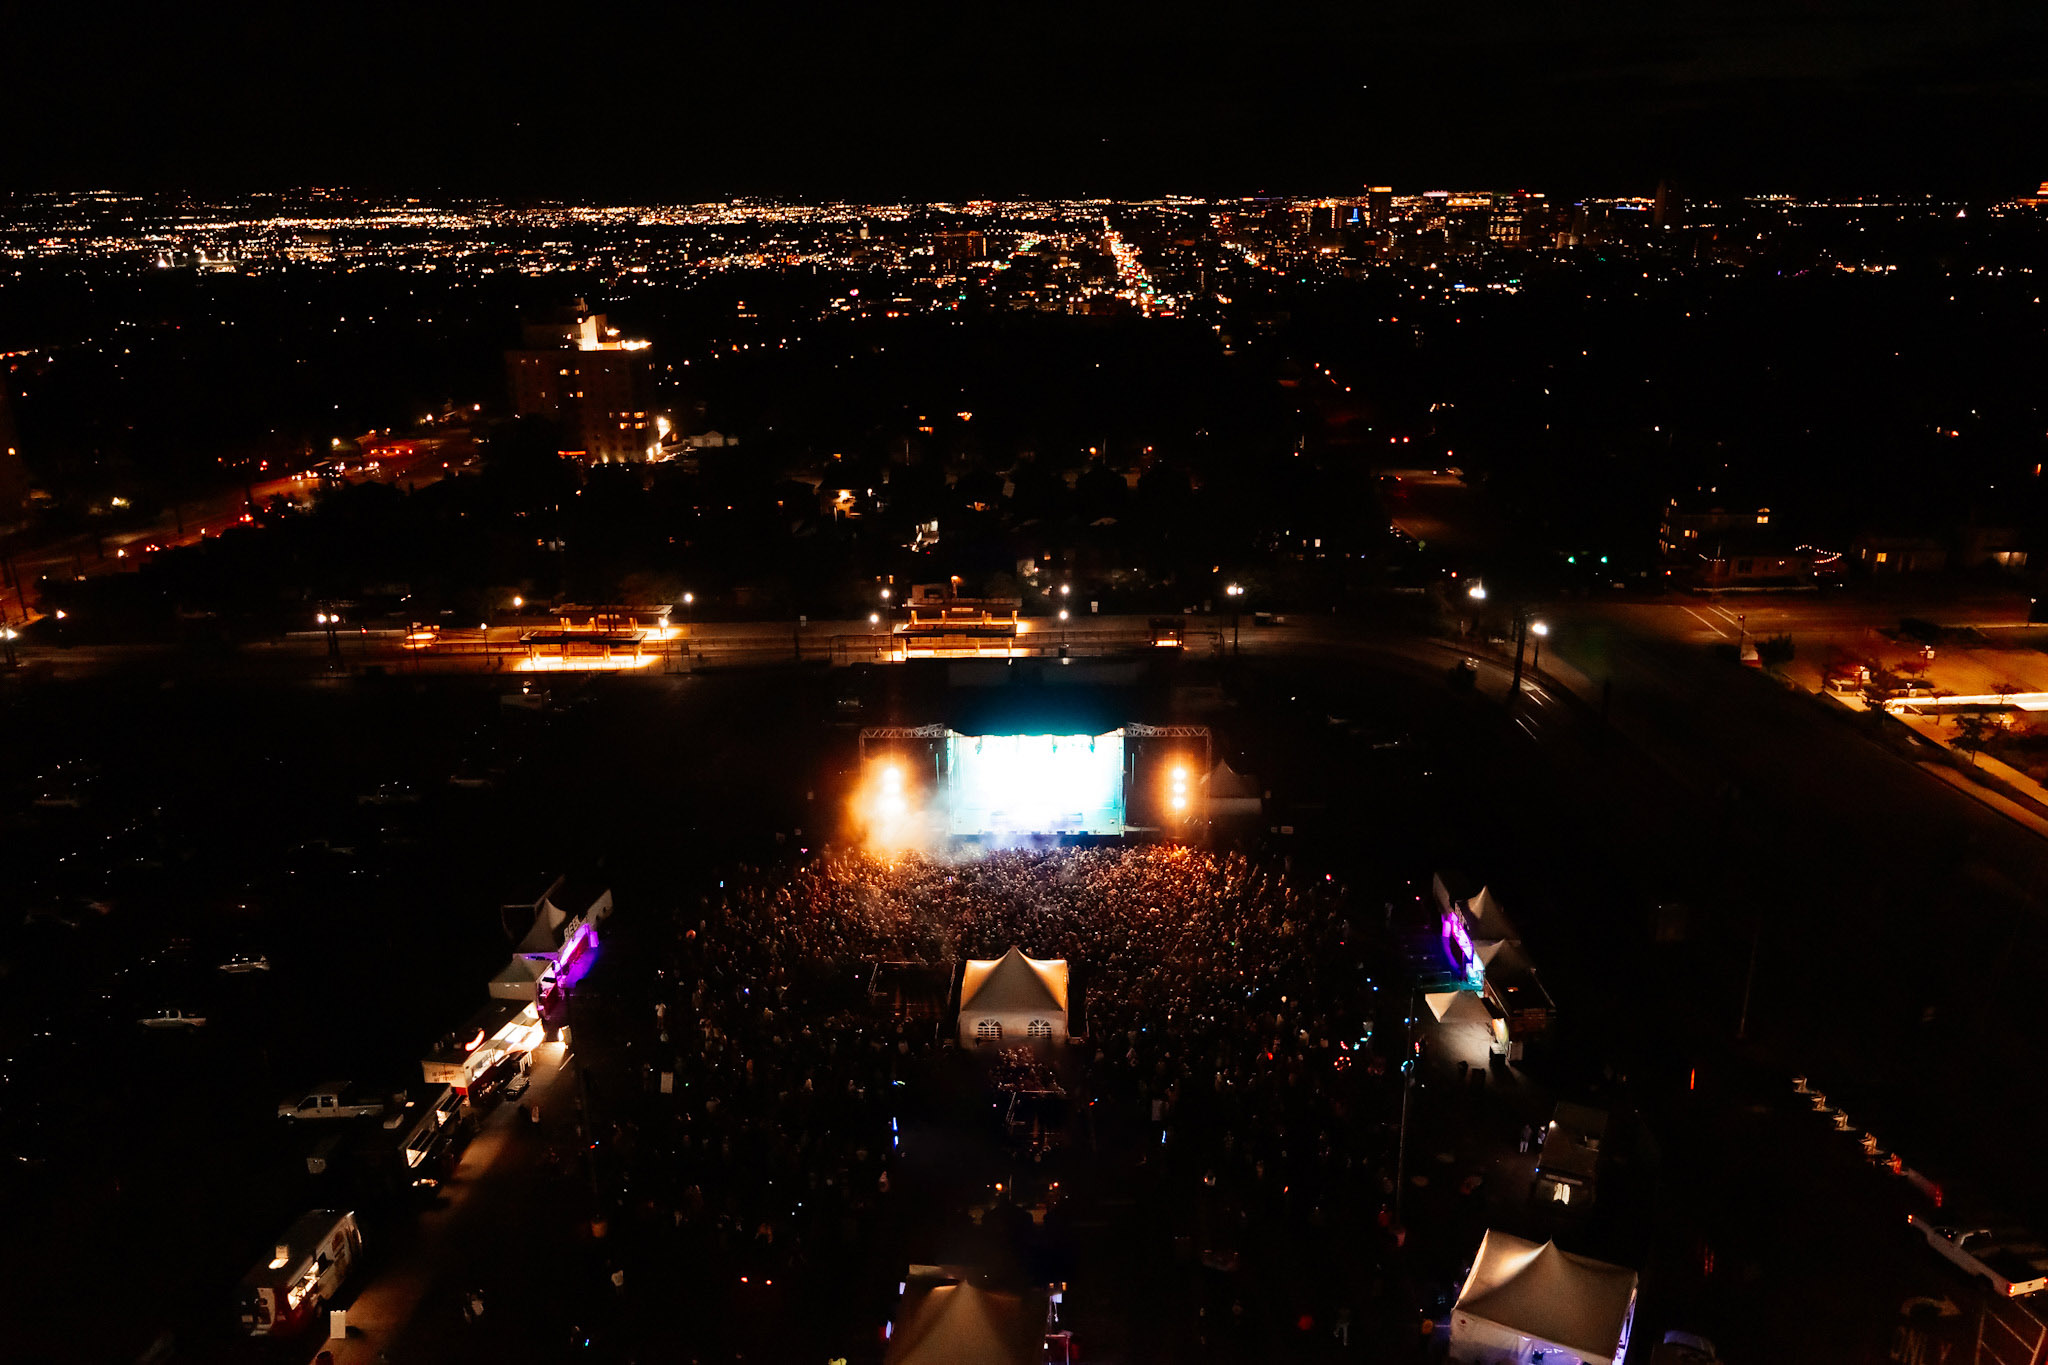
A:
172,1018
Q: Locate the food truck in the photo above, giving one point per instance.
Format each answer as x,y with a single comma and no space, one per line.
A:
305,1271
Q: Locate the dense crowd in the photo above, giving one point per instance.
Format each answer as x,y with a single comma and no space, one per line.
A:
1227,1055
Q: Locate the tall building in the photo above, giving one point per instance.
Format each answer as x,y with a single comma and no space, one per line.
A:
969,244
1512,222
1379,207
14,481
1667,206
596,384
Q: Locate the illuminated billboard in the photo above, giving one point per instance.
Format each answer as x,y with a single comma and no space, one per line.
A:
1035,784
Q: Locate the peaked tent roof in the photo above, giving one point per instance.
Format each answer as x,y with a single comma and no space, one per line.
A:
963,1324
1488,921
1226,781
1014,982
1458,1007
1540,1291
523,974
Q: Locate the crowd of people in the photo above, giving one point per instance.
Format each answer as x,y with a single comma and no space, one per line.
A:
1227,1058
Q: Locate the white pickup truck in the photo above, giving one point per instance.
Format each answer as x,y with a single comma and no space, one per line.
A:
331,1100
2012,1262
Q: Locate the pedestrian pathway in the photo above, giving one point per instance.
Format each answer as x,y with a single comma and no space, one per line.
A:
386,1314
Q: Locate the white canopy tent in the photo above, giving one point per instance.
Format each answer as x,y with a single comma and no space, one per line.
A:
1523,1302
960,1323
1011,998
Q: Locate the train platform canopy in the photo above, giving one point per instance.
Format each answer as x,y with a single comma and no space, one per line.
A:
1522,1295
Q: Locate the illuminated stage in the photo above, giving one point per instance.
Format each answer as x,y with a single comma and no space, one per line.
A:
930,781
1035,784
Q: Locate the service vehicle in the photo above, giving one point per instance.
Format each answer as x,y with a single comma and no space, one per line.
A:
310,1264
430,1147
417,1144
1568,1163
172,1018
2012,1261
332,1100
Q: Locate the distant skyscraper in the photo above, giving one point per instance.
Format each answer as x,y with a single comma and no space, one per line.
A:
13,470
1668,205
968,245
1510,223
596,385
1379,207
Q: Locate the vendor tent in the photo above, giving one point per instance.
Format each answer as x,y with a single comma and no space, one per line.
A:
1487,921
1230,792
1013,997
1523,1302
521,978
964,1324
1459,1007
1484,918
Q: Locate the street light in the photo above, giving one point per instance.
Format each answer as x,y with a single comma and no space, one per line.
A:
1539,630
1234,593
331,621
1477,592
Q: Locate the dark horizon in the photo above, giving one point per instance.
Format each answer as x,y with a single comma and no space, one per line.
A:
1720,98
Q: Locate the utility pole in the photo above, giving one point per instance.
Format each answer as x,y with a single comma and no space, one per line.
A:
1407,1084
1401,1152
1749,980
1521,635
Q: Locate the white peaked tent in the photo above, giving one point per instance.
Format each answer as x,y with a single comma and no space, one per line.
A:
1458,1007
964,1324
1012,998
1487,921
521,978
1484,918
1523,1300
1230,792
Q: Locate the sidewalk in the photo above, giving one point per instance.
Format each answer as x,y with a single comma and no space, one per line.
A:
2031,810
410,1307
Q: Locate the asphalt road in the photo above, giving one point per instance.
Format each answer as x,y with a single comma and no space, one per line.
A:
193,520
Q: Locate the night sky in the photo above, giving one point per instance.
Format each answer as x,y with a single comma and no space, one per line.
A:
922,101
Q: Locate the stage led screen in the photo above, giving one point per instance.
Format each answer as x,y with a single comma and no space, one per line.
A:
1035,784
